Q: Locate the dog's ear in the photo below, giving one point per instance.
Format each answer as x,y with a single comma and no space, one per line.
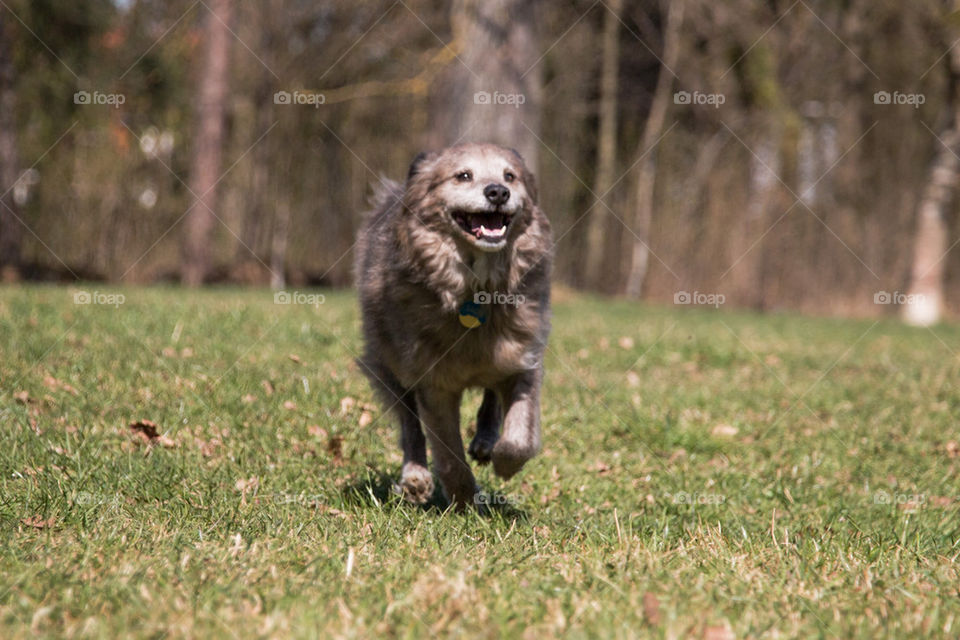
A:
529,181
418,164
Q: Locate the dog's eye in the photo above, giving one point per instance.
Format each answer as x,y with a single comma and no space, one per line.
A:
509,176
464,176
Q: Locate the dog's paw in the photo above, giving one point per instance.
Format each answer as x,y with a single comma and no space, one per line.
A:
416,483
508,458
481,449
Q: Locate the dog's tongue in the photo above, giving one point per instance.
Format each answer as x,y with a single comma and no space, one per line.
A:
486,224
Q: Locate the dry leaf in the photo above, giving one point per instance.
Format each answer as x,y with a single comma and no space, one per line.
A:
601,467
724,430
267,387
53,383
294,357
718,633
953,449
633,379
335,448
366,418
289,405
186,352
148,432
651,608
37,522
317,431
248,398
22,397
347,404
625,342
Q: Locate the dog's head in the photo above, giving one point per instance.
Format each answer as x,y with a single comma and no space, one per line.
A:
482,194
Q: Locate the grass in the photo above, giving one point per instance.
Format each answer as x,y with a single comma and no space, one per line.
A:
706,474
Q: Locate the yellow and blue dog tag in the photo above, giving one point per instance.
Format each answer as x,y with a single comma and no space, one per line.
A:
472,315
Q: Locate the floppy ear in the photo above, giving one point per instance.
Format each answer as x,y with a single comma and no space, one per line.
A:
418,164
529,181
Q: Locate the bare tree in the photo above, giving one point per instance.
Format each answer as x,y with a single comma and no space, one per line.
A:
212,85
606,144
10,228
492,93
924,305
646,177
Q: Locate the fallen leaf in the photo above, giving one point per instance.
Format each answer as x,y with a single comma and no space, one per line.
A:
724,430
294,357
289,405
22,397
366,418
248,398
145,428
335,448
186,352
718,633
625,342
633,379
953,449
347,404
267,387
317,431
53,383
600,467
149,433
651,608
37,522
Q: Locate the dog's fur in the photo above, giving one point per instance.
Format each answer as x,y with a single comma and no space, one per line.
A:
415,267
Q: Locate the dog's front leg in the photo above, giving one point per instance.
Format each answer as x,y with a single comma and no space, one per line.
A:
520,439
440,412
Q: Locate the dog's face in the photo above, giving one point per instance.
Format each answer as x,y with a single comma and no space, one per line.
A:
481,192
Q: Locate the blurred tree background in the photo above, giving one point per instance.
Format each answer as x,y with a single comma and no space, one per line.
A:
789,154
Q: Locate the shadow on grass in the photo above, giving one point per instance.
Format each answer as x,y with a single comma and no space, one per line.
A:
380,489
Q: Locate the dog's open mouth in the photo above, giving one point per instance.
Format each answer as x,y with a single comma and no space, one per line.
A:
486,225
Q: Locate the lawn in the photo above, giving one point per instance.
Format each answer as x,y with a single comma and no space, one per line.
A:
705,473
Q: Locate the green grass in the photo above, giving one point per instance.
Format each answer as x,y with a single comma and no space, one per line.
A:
831,511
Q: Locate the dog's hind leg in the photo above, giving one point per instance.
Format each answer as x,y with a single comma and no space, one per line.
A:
489,418
440,411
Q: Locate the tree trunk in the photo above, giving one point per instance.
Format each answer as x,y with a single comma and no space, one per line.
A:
11,231
606,146
492,93
208,143
646,178
278,244
924,303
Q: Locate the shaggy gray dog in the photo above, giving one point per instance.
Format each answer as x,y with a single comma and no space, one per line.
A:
453,269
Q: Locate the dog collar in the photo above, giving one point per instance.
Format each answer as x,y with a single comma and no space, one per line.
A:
472,315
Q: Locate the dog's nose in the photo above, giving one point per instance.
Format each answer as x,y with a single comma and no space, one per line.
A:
496,193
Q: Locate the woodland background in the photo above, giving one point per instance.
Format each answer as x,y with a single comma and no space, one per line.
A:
784,154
